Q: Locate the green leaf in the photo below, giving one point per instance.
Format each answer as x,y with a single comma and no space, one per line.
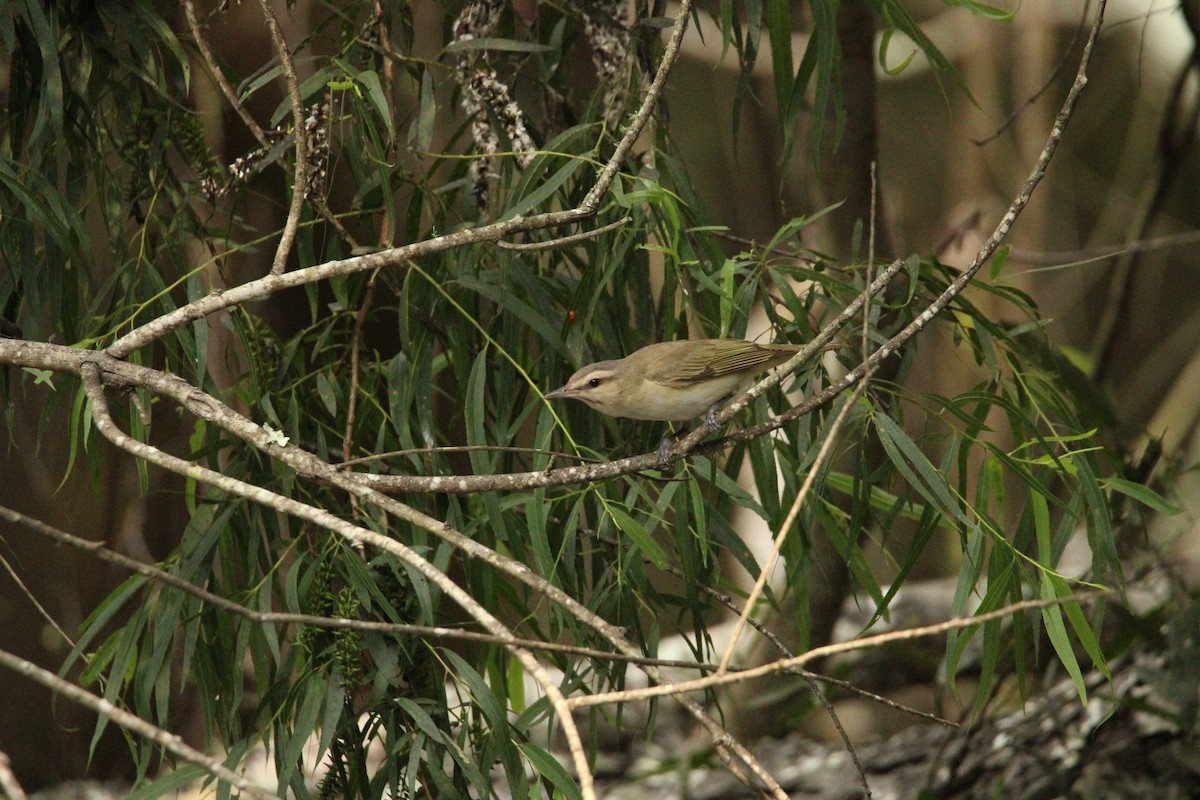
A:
327,394
884,41
549,768
642,539
1056,631
173,782
917,469
427,117
1142,494
378,98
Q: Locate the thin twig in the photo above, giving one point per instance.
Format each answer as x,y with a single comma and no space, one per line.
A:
60,358
956,286
467,448
32,598
273,283
90,373
785,664
360,321
168,741
1062,259
466,484
9,786
788,522
100,551
562,240
300,178
1050,80
810,676
218,76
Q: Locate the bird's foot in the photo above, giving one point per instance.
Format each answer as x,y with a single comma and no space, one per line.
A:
664,452
710,419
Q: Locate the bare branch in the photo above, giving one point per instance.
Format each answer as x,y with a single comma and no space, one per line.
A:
300,178
90,372
270,284
168,741
562,240
785,664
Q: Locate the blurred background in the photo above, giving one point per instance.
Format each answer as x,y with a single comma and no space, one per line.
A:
1108,249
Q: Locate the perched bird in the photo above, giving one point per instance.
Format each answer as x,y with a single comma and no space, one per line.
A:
673,380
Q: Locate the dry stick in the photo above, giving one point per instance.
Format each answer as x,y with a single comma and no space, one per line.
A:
786,664
360,322
9,786
467,448
119,716
588,208
216,302
270,284
809,675
761,582
31,596
60,358
90,373
99,550
788,522
300,178
214,69
769,565
562,240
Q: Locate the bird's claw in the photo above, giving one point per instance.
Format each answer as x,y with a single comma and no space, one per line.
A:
664,453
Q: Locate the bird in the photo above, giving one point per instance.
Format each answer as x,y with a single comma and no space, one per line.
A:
673,381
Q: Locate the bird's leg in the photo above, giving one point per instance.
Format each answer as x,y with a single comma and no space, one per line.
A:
664,452
664,447
710,419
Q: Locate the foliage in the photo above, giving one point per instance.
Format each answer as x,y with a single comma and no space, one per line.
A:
116,212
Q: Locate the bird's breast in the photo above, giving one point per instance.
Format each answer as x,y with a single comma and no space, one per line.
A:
658,401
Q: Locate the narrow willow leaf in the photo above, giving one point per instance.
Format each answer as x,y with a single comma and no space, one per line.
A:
487,43
1083,630
550,769
544,190
1056,631
916,468
291,741
1106,561
1142,494
637,532
378,98
516,684
327,394
172,782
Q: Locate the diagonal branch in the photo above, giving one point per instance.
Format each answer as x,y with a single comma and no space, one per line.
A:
277,281
91,373
168,741
300,178
120,373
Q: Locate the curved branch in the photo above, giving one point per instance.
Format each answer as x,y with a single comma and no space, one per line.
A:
300,178
90,372
119,716
257,289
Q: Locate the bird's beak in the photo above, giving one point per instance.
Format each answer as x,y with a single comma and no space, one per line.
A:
560,392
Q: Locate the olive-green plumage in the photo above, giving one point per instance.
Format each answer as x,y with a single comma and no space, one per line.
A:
673,380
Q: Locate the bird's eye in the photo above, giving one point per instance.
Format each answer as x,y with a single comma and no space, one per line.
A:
594,382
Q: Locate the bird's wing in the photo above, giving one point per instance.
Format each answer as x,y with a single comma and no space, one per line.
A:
725,357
